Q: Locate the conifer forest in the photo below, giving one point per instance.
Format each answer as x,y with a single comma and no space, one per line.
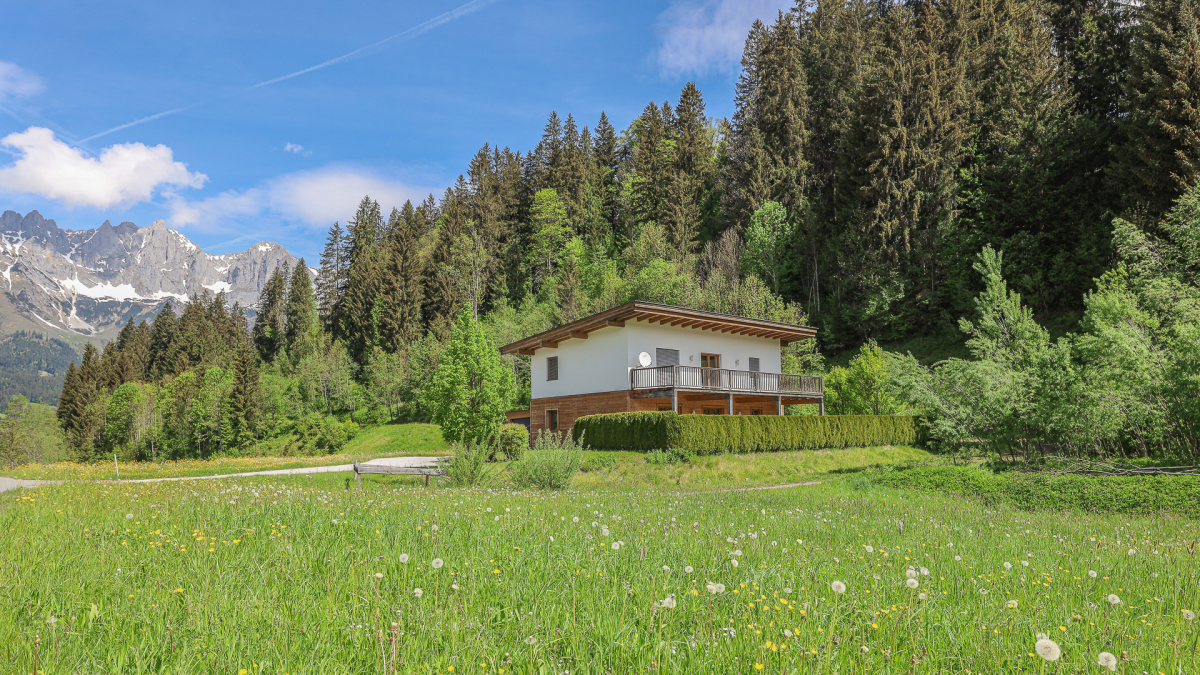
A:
1018,174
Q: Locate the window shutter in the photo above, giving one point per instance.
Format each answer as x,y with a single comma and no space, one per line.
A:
754,364
666,357
552,368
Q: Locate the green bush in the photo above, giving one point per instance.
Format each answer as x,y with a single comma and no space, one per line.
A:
316,434
597,463
512,440
550,463
714,434
469,467
1033,491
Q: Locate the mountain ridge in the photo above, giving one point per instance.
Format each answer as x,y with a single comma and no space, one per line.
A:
88,283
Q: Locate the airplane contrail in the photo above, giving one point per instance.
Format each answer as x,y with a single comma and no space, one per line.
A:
419,29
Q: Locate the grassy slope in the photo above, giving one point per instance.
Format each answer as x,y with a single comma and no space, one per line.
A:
390,440
262,576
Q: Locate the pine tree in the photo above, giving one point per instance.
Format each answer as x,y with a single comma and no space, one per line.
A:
652,167
1161,158
301,308
360,320
331,280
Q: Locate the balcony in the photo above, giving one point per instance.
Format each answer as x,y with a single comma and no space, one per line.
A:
661,381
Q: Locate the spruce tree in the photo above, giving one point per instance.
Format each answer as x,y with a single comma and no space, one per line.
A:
360,320
403,288
270,323
301,308
1161,158
162,337
331,280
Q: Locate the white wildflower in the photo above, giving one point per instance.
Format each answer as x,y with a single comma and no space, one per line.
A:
1047,649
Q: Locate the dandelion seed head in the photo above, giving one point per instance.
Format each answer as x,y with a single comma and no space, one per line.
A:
910,573
378,575
1107,660
403,558
733,561
688,569
1012,604
1113,599
838,587
616,545
921,596
865,649
958,558
1189,614
530,640
1007,565
911,583
128,516
666,569
1132,551
437,563
870,549
418,592
1092,573
1047,649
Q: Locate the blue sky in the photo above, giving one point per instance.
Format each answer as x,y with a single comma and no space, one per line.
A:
280,162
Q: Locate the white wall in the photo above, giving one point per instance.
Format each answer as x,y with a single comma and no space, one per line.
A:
735,350
584,366
602,361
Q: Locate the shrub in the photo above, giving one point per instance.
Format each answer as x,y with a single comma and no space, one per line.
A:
511,440
469,466
713,434
316,433
550,464
1033,491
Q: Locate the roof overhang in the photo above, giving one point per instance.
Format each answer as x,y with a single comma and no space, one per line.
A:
665,315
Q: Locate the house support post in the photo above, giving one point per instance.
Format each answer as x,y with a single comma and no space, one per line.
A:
674,400
779,405
822,404
729,404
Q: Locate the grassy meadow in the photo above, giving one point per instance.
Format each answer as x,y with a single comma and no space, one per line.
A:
389,440
298,574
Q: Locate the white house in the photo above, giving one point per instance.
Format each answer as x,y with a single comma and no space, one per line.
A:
646,356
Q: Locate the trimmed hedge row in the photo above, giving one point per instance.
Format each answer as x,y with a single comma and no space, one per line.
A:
1040,492
714,434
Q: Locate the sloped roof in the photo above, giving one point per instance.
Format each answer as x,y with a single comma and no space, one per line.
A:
665,315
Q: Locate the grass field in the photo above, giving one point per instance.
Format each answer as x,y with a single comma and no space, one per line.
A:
290,576
391,440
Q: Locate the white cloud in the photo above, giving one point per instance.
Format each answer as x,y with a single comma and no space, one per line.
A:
122,175
16,82
702,36
296,149
312,198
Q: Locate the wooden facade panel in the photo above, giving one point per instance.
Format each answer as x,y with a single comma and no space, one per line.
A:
571,408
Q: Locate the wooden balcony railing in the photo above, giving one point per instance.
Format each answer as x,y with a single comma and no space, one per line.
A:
720,379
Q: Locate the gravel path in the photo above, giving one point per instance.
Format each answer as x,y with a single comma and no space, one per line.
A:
7,484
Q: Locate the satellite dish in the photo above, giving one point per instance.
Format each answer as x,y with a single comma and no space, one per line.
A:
644,359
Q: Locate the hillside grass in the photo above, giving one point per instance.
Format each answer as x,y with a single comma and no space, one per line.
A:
272,576
389,440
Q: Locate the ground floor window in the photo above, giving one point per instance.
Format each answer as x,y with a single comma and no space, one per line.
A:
714,411
552,420
756,411
664,408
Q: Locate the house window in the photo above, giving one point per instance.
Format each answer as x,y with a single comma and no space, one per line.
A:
552,420
714,411
666,357
552,368
754,364
756,411
664,408
710,360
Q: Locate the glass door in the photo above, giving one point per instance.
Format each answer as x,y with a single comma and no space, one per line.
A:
711,374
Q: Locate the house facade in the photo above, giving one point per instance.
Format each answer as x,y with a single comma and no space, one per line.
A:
644,356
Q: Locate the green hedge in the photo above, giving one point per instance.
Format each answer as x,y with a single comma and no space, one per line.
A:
714,434
1032,491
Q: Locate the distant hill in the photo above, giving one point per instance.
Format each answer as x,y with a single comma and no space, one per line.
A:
33,364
